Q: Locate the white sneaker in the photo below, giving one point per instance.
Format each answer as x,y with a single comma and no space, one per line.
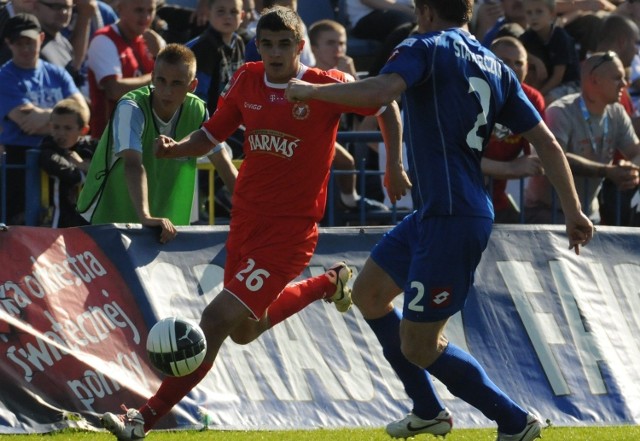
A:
129,426
339,274
412,425
531,431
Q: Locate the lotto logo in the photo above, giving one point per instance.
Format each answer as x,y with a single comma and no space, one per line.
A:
441,297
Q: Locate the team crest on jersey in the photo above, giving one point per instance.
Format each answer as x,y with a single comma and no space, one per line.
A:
300,111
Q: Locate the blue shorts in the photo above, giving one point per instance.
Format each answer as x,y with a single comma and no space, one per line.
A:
433,260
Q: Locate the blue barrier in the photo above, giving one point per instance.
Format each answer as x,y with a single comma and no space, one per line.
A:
32,183
3,185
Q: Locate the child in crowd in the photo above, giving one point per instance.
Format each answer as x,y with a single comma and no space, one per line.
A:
328,40
65,155
219,50
554,46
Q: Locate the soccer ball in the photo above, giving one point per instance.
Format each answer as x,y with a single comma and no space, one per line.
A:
176,347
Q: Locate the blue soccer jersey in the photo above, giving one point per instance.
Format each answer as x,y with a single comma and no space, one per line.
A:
441,70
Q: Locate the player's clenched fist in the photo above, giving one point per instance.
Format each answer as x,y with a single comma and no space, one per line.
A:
298,90
164,147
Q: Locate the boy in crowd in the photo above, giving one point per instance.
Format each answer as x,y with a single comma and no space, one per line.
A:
554,46
65,156
328,40
219,50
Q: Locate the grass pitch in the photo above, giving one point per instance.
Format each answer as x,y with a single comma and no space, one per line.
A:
617,433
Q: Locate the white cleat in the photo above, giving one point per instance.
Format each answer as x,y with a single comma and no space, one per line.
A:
412,425
531,431
339,274
126,427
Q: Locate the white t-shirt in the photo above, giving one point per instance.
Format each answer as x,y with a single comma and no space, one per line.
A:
103,58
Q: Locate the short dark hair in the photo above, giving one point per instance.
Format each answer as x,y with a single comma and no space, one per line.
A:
455,11
69,106
323,26
280,18
175,53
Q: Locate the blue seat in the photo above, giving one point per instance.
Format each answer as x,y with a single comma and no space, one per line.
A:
313,10
360,49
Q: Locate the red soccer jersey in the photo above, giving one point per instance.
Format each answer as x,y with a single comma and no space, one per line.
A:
508,148
288,147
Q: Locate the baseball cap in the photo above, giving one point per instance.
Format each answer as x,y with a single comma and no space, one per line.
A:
22,25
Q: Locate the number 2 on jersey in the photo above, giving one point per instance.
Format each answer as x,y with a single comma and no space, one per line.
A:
481,87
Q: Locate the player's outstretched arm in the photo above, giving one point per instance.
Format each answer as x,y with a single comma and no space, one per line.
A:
374,92
579,227
196,144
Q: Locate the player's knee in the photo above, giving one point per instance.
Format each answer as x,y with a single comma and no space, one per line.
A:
248,331
215,323
419,354
372,302
242,337
365,300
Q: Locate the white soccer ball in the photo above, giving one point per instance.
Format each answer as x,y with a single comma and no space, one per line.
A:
176,347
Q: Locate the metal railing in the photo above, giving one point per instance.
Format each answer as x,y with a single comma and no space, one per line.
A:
34,206
32,182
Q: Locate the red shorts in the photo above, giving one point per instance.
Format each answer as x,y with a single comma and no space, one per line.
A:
264,254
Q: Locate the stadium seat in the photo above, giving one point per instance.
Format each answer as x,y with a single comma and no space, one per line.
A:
313,10
362,50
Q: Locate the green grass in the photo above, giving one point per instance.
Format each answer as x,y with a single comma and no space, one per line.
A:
619,433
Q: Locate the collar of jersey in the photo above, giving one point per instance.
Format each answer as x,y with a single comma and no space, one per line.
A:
301,71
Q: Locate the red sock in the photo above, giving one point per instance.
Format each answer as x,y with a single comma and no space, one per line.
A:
298,295
171,391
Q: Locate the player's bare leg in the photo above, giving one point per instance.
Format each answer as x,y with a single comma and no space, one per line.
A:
330,286
373,293
219,319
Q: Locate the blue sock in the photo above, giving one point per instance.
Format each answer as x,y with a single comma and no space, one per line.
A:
417,382
466,379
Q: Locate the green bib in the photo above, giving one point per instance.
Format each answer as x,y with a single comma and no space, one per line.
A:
171,182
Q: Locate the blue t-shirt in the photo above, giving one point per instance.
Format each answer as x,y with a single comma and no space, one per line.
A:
43,86
456,91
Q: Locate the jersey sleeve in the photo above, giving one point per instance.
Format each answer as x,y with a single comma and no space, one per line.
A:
103,59
11,97
66,83
128,125
518,113
408,61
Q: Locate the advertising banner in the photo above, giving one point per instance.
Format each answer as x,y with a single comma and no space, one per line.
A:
554,330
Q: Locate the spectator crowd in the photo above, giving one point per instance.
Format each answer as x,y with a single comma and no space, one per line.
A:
73,71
